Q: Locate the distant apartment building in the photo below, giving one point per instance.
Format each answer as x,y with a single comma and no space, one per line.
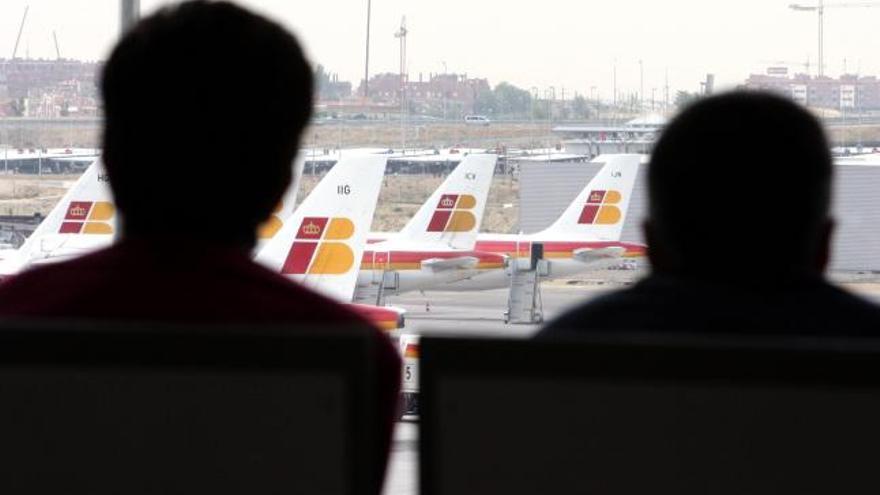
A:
449,95
846,92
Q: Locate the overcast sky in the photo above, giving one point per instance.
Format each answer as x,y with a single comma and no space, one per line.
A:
561,43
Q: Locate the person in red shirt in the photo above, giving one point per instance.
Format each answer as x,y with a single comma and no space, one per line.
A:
204,107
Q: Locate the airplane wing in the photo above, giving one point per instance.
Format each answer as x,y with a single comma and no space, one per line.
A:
588,255
444,264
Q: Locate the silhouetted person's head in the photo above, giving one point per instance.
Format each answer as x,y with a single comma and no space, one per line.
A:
204,106
739,188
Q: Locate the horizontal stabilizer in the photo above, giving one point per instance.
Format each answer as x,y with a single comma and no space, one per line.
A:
588,255
444,264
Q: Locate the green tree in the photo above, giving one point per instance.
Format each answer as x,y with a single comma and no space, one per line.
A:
486,102
580,108
323,84
512,100
541,109
683,98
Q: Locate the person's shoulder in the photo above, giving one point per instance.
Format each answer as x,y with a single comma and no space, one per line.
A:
299,301
65,272
854,313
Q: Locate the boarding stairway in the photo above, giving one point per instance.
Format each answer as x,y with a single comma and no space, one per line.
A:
524,302
387,283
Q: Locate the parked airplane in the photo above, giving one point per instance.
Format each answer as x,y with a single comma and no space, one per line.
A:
82,221
437,245
85,219
588,230
319,244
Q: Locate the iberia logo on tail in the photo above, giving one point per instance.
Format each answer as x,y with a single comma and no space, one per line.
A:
319,248
601,208
272,225
453,214
88,217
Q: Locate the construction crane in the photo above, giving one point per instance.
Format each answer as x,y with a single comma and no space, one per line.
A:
819,8
789,63
57,48
20,29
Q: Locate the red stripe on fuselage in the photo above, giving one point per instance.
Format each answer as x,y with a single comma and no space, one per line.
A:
522,249
419,256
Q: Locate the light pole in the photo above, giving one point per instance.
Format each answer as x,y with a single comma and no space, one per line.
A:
443,88
641,85
550,93
614,83
533,97
593,99
367,58
130,12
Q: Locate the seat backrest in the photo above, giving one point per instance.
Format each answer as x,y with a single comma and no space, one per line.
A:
139,409
638,415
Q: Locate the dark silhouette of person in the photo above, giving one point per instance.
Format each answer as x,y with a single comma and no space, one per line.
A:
738,242
204,106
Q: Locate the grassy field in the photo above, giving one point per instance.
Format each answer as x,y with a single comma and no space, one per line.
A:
386,134
331,135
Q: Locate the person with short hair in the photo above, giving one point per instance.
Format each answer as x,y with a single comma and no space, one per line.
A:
738,230
204,104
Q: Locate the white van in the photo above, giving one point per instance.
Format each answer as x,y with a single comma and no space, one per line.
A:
476,120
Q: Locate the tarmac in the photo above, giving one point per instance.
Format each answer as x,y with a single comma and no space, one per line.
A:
481,314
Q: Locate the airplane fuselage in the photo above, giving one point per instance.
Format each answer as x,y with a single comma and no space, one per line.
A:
558,251
412,268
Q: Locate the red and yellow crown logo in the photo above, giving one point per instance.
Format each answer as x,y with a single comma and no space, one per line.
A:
453,214
601,208
88,217
318,248
311,230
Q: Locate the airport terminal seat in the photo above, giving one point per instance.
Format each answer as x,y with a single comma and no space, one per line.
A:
630,414
146,409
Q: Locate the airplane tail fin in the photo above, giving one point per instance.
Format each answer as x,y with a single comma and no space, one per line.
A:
84,219
453,214
599,212
320,245
267,230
